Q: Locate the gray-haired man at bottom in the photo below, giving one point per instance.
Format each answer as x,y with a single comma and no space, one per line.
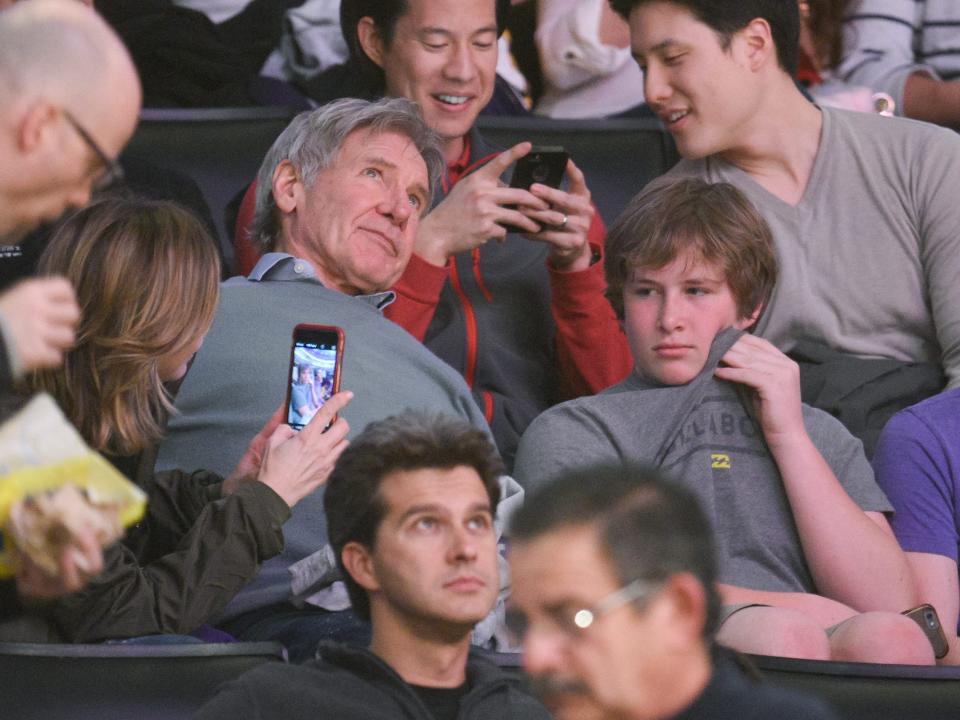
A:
613,594
342,191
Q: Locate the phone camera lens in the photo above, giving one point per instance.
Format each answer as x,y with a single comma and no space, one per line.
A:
930,618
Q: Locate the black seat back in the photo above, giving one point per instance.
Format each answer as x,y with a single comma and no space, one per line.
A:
120,682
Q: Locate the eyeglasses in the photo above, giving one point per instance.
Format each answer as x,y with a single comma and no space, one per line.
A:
571,625
114,173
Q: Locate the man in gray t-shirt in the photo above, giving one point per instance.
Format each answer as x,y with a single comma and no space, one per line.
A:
862,208
804,548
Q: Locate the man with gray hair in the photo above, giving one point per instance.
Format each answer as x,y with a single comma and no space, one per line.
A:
69,100
343,190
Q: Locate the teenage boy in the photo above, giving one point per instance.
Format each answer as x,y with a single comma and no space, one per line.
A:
411,507
808,564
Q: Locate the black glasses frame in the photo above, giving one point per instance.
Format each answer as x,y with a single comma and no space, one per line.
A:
114,172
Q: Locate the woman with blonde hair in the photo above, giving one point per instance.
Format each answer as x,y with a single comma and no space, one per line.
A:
146,275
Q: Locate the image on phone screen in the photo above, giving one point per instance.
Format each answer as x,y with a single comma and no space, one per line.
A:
313,376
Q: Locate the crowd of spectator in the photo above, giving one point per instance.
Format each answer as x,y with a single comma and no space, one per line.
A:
656,389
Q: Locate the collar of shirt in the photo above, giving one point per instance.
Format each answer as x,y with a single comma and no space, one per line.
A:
283,267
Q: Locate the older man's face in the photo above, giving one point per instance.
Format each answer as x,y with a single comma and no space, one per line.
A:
613,668
357,221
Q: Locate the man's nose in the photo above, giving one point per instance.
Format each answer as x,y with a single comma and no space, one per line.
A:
542,652
671,313
656,88
397,206
461,64
463,545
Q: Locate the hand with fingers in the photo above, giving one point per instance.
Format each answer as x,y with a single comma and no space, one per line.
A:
294,464
40,315
565,224
477,209
79,561
775,381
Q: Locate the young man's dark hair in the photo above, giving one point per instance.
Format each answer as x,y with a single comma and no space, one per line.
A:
726,18
411,440
649,529
714,222
384,14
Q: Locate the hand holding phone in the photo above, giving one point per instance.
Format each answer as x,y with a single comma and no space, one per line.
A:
926,617
316,357
544,165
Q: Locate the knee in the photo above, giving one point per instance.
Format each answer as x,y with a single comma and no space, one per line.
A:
881,637
780,632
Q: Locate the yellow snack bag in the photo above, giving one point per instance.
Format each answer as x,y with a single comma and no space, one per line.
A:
40,452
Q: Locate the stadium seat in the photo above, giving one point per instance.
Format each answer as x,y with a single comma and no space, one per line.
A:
861,691
120,682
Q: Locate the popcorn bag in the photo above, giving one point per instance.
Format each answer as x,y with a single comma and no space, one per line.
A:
52,485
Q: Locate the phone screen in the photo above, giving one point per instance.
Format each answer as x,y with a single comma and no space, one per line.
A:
314,373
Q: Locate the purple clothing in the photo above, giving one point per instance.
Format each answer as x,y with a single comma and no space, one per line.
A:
917,464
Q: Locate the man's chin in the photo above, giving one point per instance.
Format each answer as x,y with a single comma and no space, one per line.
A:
572,706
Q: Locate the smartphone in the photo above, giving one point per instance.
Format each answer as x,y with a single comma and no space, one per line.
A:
316,357
543,164
926,617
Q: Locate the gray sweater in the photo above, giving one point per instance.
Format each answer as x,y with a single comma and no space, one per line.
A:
870,256
239,378
701,435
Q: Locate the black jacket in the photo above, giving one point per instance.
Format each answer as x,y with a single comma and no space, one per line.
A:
182,564
346,683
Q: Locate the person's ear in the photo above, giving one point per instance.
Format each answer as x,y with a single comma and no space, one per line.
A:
682,607
371,41
286,186
758,43
358,561
748,321
36,126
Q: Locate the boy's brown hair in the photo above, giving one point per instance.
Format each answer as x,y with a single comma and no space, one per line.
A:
673,216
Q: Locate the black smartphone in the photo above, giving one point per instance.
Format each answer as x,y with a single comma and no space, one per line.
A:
316,357
926,617
543,164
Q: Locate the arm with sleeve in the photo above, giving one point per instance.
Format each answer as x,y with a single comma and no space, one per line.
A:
199,550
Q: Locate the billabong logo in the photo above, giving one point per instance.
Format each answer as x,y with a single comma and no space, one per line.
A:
719,461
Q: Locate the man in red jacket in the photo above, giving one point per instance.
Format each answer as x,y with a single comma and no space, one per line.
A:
523,318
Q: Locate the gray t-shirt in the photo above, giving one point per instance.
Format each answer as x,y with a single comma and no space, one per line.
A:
701,435
870,256
239,378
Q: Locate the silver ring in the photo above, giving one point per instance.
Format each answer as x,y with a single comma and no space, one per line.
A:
563,223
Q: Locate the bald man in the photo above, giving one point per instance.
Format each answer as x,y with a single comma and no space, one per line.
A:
69,101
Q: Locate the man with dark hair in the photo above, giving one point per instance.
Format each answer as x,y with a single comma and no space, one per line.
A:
522,318
849,196
411,508
613,595
340,197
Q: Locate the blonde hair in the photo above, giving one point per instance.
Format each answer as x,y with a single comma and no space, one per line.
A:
146,274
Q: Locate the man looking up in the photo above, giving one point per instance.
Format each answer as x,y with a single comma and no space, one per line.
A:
613,594
69,99
521,318
341,194
863,208
411,515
